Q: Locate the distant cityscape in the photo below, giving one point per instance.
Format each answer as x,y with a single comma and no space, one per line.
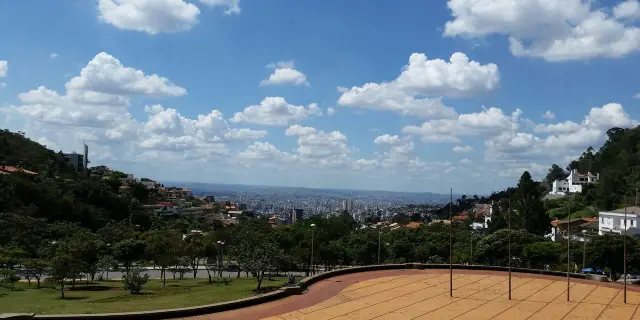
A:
276,200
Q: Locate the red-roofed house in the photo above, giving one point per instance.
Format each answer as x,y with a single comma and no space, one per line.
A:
10,169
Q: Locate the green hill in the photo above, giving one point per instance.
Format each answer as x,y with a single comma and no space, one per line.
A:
19,151
58,192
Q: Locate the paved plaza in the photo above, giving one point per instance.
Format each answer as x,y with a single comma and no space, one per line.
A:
476,296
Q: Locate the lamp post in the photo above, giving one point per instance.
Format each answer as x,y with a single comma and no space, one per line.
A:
568,249
472,234
625,249
313,227
509,236
221,265
584,250
451,245
379,235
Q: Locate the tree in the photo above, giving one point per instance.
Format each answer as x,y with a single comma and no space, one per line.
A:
161,248
106,263
555,173
493,249
257,254
62,266
543,255
606,251
87,249
529,208
36,268
195,250
127,251
9,277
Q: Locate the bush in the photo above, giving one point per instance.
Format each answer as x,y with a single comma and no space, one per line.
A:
133,281
9,278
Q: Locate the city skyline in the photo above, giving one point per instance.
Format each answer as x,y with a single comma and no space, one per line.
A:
398,97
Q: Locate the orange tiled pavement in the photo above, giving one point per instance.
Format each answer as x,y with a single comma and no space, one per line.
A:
476,296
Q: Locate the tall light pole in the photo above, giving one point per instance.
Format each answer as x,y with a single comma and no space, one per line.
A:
568,248
379,235
509,236
221,265
625,249
472,233
313,227
584,250
451,245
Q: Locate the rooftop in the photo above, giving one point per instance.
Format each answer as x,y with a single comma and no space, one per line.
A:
10,169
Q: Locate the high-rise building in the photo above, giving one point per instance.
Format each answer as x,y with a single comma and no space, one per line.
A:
297,215
347,204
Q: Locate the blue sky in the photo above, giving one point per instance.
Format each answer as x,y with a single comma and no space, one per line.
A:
153,87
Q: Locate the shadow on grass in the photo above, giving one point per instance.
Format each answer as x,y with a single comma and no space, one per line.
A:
126,297
93,288
73,298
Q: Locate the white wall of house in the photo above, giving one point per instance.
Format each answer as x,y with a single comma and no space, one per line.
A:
614,222
574,182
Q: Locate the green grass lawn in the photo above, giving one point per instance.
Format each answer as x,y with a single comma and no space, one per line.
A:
178,293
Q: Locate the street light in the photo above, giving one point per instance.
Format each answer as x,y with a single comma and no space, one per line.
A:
509,236
624,241
451,245
379,235
584,250
221,265
313,227
568,250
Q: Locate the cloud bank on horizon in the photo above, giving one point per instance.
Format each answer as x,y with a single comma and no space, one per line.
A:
177,90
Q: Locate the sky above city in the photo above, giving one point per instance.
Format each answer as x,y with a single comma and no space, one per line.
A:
404,95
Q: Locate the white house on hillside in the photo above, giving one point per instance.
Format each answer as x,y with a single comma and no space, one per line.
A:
574,182
613,221
482,215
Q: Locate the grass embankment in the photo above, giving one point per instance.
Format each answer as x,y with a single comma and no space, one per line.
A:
108,296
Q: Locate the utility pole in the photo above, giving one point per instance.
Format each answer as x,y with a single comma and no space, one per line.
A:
379,234
509,236
451,244
625,248
313,227
568,250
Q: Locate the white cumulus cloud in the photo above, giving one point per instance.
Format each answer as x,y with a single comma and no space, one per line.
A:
276,111
418,89
462,149
150,16
233,6
284,72
555,30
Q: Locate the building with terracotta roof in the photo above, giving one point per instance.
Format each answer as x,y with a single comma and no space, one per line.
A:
413,225
9,169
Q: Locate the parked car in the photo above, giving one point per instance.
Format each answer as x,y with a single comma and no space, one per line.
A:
631,279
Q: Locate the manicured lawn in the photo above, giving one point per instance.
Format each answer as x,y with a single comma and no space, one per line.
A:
112,298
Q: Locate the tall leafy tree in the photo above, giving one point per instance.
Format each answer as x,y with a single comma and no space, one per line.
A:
528,205
555,173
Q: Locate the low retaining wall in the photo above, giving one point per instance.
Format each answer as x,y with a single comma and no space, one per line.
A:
285,292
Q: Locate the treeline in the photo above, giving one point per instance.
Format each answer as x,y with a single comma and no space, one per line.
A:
617,162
